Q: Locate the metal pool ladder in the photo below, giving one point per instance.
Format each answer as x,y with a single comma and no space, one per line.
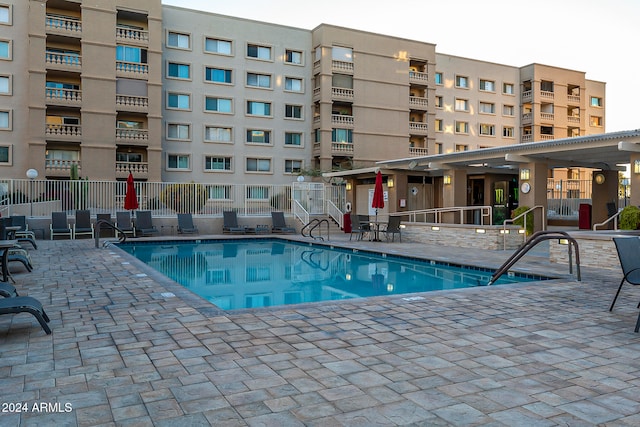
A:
536,238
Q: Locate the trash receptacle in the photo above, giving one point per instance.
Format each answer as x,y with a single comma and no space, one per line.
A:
346,222
584,216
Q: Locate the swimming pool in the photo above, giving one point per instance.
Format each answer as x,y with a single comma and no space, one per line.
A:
251,273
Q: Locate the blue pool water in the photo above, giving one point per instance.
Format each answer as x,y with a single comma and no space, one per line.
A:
238,274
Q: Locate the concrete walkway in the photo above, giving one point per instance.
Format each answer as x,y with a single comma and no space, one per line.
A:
124,352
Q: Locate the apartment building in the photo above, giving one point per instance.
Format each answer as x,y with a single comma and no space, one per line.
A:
182,95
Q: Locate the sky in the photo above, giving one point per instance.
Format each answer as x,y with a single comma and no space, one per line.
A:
597,37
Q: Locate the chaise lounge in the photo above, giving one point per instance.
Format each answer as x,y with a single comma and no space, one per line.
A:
15,305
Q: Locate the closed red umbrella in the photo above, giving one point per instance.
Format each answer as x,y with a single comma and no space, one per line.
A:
130,198
378,198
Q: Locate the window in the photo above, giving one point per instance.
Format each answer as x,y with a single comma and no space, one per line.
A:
508,132
257,192
293,138
596,101
217,163
487,130
259,80
5,49
5,120
178,71
439,102
342,135
462,147
258,165
178,161
292,84
487,85
5,154
178,131
462,81
178,40
5,14
344,54
462,127
222,47
317,135
293,111
259,52
595,121
217,134
256,108
256,136
219,105
220,192
462,105
5,85
439,125
487,107
217,75
508,110
439,149
292,166
546,86
508,88
179,101
293,57
438,78
131,54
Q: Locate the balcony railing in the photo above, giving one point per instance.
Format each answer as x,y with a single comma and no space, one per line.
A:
544,137
63,25
132,69
574,99
63,96
418,127
138,169
547,116
342,66
527,138
418,102
418,77
342,148
527,96
546,94
55,167
134,135
573,119
132,103
340,92
63,131
341,120
132,34
527,117
418,151
63,60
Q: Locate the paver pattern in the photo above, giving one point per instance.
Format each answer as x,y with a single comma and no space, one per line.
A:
126,353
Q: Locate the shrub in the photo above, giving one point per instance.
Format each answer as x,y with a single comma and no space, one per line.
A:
630,218
182,198
520,221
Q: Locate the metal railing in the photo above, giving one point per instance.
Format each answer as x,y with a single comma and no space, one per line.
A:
613,218
434,215
524,226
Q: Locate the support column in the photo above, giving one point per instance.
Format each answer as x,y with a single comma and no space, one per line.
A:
603,192
454,193
634,180
537,194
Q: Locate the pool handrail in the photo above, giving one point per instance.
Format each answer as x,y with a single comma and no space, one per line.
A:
98,226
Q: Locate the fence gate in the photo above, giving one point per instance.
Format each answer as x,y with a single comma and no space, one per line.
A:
310,195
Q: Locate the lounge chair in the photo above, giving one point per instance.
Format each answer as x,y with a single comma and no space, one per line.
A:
104,230
24,234
358,227
18,254
60,225
31,305
124,223
144,224
279,225
185,224
7,290
628,249
393,228
230,225
83,225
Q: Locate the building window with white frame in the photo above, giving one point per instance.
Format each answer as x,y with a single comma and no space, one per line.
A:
214,163
262,81
259,52
179,131
508,88
258,136
596,101
217,134
254,164
439,78
219,46
5,85
344,54
439,125
5,49
487,85
293,57
342,135
508,110
292,84
5,14
508,132
178,101
178,40
439,148
178,71
218,75
218,105
595,121
293,111
461,147
219,192
461,104
487,108
5,120
293,138
292,166
462,127
439,101
178,161
462,82
257,108
5,155
487,129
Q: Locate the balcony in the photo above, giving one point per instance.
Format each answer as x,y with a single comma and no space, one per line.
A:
527,96
62,132
64,97
132,35
63,61
341,66
132,136
527,118
418,151
545,94
547,117
133,70
573,119
139,170
418,103
64,26
139,104
342,93
544,137
60,168
527,138
417,77
341,149
573,99
418,128
342,120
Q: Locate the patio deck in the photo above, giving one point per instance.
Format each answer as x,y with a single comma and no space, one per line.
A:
125,353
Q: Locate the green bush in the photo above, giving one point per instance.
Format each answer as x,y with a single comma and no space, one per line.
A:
630,218
182,198
520,221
